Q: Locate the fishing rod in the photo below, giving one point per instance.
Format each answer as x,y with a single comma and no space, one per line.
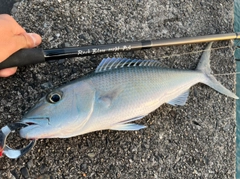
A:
38,55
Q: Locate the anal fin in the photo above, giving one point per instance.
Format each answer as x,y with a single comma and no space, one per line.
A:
180,100
127,127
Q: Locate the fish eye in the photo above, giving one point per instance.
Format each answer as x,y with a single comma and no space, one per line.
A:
54,97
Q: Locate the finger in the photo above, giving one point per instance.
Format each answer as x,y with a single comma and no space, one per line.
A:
8,72
27,40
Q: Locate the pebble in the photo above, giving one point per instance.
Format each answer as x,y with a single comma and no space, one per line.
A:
81,36
61,61
67,44
83,167
43,168
47,85
14,174
24,172
91,155
89,143
30,164
58,35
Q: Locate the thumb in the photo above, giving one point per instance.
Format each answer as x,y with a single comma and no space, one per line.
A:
27,40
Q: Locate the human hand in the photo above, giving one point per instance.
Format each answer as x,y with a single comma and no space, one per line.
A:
13,38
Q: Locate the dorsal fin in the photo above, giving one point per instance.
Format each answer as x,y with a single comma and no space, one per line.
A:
113,63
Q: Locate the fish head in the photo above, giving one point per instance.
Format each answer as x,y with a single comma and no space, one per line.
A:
60,113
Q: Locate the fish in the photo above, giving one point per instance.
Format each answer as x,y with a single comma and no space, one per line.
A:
119,92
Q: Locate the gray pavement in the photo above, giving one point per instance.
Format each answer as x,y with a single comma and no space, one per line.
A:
192,141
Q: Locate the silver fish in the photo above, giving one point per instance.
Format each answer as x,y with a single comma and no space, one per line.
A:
119,92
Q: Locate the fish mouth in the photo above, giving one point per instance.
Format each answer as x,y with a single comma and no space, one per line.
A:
35,127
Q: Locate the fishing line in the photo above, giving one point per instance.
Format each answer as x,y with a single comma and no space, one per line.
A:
194,52
236,46
200,51
234,73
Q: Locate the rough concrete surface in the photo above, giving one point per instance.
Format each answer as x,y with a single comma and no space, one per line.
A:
192,141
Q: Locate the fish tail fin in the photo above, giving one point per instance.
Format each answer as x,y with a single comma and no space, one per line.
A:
210,80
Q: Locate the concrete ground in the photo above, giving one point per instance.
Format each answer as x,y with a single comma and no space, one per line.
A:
192,141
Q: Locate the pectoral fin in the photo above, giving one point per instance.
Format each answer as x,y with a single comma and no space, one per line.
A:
107,98
180,100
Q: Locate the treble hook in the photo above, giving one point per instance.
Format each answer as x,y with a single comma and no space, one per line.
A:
8,151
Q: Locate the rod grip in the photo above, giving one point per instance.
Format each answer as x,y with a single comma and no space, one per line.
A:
24,57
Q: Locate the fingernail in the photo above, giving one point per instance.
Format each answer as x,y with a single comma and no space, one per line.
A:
35,38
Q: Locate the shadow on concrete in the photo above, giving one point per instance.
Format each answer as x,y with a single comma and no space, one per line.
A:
6,6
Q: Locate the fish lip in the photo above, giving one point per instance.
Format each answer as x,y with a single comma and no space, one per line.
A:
36,121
